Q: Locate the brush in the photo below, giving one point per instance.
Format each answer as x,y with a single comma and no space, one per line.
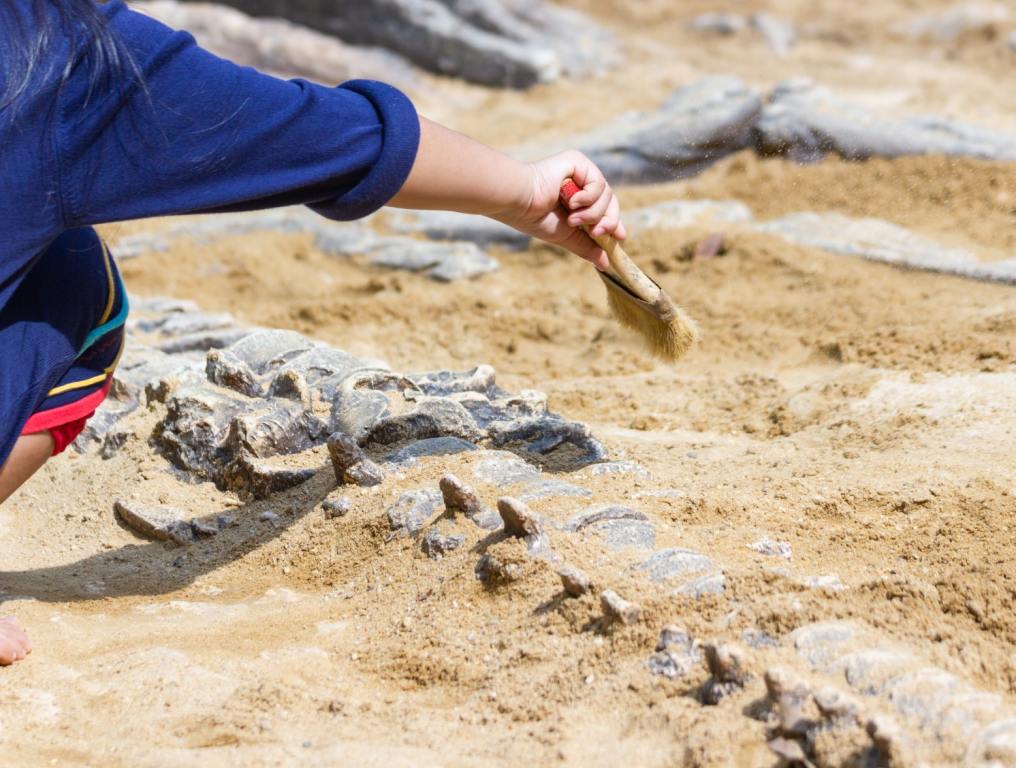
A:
636,301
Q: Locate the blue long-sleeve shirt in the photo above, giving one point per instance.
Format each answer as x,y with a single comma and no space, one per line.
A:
181,131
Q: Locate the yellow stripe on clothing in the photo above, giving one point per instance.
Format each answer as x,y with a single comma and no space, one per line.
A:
94,379
112,286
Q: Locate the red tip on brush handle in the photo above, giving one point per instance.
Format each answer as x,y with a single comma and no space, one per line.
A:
568,190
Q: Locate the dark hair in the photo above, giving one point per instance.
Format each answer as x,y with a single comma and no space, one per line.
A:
34,36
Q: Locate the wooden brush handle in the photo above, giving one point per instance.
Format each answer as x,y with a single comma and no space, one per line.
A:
626,269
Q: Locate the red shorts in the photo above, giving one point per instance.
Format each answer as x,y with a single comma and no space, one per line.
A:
67,422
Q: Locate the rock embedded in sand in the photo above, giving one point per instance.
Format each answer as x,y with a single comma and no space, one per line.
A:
728,671
574,581
616,608
677,654
699,124
410,513
719,23
352,466
444,262
160,522
459,497
882,241
675,561
519,520
436,544
514,43
766,546
494,571
805,122
227,370
334,508
253,478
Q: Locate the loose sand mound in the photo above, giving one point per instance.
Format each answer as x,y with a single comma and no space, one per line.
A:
862,414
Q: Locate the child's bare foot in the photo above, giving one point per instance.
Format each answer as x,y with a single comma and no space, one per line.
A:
14,644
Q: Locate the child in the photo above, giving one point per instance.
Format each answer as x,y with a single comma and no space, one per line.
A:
107,115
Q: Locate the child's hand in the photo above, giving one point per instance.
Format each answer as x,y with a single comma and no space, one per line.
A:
595,207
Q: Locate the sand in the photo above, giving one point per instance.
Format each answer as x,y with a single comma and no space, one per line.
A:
861,413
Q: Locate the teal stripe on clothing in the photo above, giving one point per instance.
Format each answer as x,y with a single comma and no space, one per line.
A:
113,323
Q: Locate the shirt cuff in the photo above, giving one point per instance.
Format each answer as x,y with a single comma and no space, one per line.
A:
400,140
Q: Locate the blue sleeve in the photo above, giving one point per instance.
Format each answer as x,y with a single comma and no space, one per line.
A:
185,131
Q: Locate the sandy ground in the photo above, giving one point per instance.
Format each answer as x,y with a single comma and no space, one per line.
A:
861,413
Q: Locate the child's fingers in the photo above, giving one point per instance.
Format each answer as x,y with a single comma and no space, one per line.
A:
591,215
611,219
591,191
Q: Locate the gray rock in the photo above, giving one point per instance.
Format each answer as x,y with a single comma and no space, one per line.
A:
821,642
266,351
280,47
574,581
881,241
431,446
430,418
678,214
291,385
276,427
225,369
161,522
99,430
334,508
522,522
996,742
868,670
450,225
699,124
778,34
195,426
677,654
626,534
253,478
517,43
202,341
710,584
670,563
537,490
719,23
188,323
519,520
351,464
600,514
756,638
504,470
358,411
410,513
444,262
616,608
443,383
728,671
459,497
619,468
436,544
567,444
766,546
806,122
494,572
326,367
205,430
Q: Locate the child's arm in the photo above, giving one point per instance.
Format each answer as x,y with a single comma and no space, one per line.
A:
454,172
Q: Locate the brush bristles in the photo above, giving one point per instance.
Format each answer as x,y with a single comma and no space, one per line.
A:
669,334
